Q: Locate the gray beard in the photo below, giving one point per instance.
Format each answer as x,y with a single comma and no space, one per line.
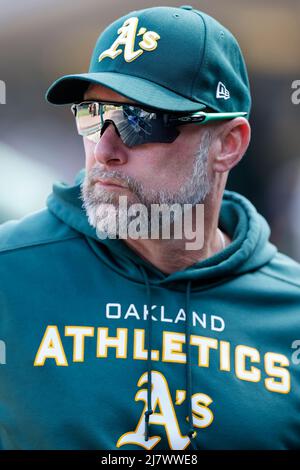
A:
111,221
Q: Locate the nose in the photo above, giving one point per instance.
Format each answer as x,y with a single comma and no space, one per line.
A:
110,149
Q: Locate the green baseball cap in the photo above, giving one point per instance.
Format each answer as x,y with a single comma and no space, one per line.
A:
175,59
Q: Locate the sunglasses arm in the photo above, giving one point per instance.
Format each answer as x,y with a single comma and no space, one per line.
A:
201,117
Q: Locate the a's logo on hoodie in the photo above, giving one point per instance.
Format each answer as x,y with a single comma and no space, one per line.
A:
164,414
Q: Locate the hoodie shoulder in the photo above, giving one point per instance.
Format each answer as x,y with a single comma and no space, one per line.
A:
37,228
283,268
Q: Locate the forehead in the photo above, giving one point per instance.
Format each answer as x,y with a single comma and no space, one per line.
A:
102,93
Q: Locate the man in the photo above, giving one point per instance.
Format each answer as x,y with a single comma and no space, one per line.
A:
163,112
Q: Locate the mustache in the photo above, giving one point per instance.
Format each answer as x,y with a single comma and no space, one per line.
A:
95,173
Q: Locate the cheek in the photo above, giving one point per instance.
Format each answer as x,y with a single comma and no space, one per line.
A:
173,167
170,163
179,159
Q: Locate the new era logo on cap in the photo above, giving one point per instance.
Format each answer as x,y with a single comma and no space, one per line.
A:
222,91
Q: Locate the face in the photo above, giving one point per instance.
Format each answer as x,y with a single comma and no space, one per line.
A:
152,173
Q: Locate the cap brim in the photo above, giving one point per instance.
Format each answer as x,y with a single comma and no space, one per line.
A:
70,89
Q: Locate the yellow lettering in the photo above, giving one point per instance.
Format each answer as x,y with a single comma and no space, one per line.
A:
284,384
172,347
204,346
241,353
51,348
78,333
139,351
119,342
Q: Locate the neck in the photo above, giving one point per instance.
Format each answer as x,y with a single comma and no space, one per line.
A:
172,255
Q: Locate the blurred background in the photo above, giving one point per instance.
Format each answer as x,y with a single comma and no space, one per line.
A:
42,40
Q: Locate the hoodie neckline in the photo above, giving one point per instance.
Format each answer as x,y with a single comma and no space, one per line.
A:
249,249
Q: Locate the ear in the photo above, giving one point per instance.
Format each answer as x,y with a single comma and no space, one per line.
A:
232,139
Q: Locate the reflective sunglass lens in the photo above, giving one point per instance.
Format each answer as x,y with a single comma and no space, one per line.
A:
135,125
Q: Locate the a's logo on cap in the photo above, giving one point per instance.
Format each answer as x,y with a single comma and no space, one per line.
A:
222,91
127,35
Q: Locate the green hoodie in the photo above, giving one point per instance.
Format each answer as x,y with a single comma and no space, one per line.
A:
74,323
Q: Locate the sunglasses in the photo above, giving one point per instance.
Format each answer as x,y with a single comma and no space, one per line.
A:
137,125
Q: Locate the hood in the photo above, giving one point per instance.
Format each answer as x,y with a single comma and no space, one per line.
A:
249,250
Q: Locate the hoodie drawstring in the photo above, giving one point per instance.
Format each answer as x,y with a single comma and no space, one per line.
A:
149,411
192,432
